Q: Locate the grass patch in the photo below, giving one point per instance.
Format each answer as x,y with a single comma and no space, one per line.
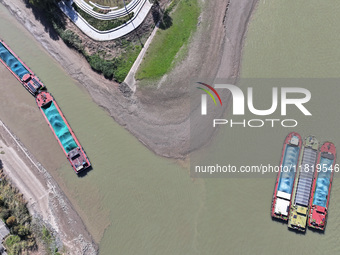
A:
110,3
103,25
116,68
71,39
126,62
161,54
100,10
47,240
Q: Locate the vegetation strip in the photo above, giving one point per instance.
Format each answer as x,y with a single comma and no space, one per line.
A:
116,68
179,22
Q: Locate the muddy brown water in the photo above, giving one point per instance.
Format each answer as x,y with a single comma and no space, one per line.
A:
285,40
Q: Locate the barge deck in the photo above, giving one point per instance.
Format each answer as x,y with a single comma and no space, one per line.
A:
322,186
302,186
20,70
63,132
286,176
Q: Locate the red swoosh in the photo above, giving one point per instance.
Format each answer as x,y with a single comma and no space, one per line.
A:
208,86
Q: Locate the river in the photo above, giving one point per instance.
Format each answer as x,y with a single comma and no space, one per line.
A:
285,39
145,204
150,205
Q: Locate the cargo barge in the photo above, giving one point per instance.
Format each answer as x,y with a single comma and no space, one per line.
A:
63,132
20,71
286,176
321,188
303,184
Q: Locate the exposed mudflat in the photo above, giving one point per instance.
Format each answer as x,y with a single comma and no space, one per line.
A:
158,114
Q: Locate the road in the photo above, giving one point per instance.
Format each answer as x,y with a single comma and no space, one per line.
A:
140,13
20,174
130,78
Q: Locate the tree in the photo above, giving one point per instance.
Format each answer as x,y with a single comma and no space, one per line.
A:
23,231
11,221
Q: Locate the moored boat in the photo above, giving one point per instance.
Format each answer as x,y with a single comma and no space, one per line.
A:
20,70
302,185
322,185
286,176
63,132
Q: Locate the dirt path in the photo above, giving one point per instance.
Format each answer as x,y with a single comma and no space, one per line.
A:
45,199
20,174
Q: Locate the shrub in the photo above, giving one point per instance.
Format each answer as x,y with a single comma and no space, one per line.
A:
11,221
22,231
4,214
11,240
15,214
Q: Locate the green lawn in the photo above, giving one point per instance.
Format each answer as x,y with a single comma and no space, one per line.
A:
160,56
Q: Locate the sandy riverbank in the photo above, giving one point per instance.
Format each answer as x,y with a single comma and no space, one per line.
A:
45,199
159,118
